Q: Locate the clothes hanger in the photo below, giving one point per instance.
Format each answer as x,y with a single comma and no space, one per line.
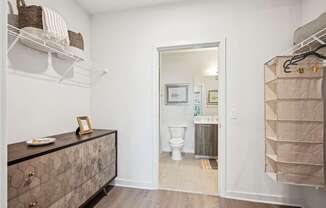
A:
297,58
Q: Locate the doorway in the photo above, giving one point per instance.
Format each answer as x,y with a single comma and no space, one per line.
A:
190,111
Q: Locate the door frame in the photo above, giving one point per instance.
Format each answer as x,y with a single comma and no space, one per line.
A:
222,107
3,104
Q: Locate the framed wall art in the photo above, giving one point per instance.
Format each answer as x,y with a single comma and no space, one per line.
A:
177,94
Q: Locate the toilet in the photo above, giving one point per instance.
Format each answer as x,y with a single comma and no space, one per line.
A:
177,138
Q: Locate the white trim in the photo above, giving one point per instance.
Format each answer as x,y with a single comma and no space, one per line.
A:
221,44
3,135
222,112
156,118
263,198
121,182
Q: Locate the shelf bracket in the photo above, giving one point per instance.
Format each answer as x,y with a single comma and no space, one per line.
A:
67,71
50,65
12,45
101,74
318,40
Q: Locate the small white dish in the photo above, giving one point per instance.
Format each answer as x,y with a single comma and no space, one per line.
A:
40,141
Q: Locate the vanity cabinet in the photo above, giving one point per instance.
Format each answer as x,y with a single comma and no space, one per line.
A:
206,140
68,173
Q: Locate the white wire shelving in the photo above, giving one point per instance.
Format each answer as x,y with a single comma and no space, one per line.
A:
78,73
309,44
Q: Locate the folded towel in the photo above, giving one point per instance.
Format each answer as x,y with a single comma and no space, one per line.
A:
37,35
55,27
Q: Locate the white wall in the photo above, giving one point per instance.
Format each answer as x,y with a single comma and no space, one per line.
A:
256,30
38,107
311,9
187,67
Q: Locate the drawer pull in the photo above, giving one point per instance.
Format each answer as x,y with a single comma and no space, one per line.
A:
28,179
99,165
31,173
33,204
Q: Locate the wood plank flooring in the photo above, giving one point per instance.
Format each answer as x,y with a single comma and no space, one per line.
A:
135,198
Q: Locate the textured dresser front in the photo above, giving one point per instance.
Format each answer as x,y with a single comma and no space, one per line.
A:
64,178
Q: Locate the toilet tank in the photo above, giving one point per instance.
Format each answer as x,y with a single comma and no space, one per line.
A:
177,131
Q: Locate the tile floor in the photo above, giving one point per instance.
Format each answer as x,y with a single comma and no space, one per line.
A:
186,175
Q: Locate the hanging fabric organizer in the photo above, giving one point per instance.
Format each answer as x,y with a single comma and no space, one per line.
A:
294,122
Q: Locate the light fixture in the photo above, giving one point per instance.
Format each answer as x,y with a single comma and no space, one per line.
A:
211,72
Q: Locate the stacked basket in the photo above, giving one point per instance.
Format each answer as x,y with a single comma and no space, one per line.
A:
294,122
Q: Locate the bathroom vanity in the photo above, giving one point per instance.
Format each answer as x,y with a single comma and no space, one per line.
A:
206,137
72,172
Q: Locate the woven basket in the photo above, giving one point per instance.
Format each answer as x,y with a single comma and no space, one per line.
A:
29,16
12,18
76,40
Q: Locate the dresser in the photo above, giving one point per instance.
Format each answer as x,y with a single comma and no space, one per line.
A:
72,172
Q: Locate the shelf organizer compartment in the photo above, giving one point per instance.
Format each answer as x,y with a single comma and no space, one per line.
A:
308,175
295,152
294,122
295,88
288,131
295,110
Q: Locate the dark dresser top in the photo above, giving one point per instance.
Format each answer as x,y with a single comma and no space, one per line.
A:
20,152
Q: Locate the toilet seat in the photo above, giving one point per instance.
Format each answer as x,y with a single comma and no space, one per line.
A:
176,141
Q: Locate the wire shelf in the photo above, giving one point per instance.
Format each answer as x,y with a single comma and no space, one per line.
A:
308,44
79,66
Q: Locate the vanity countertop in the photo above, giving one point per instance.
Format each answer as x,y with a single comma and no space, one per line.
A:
19,152
206,120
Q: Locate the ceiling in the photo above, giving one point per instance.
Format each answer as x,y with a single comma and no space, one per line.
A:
98,6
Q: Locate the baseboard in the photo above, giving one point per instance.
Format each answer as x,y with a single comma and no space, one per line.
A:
261,198
237,195
133,184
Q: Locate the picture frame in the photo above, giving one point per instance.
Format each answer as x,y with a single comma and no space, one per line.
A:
212,97
177,94
85,126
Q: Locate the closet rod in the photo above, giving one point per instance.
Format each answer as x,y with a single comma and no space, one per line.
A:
297,58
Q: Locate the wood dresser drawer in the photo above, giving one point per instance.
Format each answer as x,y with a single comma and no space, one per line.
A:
23,177
64,178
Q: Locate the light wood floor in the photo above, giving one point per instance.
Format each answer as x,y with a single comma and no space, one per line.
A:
135,198
186,175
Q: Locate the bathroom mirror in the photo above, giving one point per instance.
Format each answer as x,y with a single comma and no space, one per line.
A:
212,97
